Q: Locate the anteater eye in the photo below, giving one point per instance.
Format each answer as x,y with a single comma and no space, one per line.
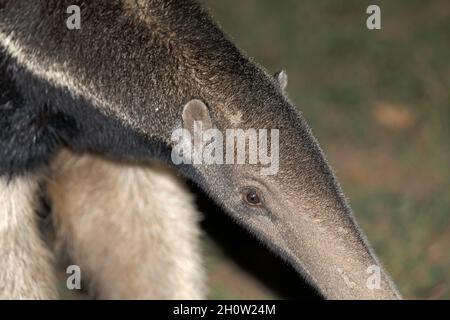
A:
252,197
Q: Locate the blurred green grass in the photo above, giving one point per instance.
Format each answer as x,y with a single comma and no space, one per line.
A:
379,103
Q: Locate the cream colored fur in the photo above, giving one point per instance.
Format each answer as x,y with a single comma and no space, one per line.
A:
132,229
26,270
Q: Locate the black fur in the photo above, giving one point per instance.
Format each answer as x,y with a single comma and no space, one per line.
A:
29,132
33,126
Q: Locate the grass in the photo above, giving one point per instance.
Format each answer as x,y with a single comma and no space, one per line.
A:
379,103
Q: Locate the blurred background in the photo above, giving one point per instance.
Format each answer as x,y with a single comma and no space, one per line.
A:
379,103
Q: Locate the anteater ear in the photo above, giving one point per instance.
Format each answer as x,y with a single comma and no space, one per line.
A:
281,78
196,112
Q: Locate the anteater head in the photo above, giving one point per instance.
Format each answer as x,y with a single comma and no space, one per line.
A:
253,152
